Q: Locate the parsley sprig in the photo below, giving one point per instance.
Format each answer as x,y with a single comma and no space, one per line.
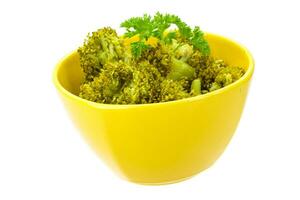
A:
156,26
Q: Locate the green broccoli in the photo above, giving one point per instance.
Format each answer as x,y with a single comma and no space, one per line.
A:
108,85
179,68
227,76
99,48
144,86
157,65
171,60
209,72
173,90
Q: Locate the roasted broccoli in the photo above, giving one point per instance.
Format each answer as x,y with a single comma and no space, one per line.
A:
150,63
173,90
99,48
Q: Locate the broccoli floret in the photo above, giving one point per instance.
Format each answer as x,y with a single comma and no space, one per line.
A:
198,61
173,66
108,85
184,52
171,59
173,90
144,86
217,75
209,73
99,48
227,76
120,83
179,68
159,57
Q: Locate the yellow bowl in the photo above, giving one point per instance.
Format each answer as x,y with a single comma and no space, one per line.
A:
162,142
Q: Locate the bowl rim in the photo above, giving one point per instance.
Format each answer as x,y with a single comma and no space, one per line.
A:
246,77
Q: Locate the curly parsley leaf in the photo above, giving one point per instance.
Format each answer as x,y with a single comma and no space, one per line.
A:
147,26
141,26
199,42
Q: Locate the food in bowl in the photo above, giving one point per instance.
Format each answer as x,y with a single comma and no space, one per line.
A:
159,143
151,63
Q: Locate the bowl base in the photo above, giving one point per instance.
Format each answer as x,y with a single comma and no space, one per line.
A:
171,181
168,182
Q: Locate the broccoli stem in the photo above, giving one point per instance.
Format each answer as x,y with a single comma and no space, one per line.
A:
180,70
196,87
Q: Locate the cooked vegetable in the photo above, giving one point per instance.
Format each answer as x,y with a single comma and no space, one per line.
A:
196,87
99,48
150,63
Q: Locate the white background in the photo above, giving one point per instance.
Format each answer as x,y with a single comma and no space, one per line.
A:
43,157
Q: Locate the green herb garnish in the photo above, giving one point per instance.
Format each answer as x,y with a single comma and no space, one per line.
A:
151,63
158,27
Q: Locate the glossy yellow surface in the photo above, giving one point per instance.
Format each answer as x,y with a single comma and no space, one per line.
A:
163,142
